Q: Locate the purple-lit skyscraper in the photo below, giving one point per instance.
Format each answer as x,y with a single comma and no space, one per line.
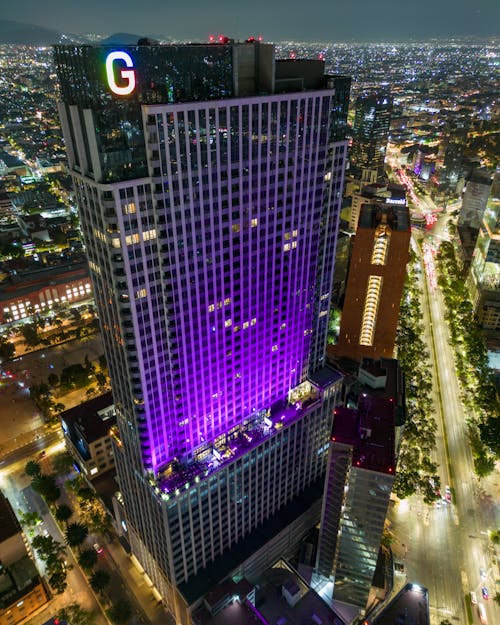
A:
209,182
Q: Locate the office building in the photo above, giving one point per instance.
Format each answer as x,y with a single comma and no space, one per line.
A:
87,434
375,283
388,192
361,468
372,119
209,182
474,199
484,276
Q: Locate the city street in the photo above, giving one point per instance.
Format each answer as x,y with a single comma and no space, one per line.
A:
455,532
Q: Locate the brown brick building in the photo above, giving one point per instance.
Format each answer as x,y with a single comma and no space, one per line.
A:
375,283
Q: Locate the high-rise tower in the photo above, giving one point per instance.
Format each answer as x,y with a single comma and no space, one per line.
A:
370,133
209,182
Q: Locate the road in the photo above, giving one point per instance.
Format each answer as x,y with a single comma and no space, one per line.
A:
16,487
446,546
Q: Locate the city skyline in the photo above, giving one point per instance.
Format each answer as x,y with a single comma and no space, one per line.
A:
190,167
384,21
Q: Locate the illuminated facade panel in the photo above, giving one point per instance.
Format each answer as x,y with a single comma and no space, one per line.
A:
370,311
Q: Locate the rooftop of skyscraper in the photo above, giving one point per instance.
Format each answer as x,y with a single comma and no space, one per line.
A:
395,216
372,411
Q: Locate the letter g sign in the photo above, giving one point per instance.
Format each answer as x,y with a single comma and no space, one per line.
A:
126,74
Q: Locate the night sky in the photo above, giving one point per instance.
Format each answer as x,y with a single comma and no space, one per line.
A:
299,20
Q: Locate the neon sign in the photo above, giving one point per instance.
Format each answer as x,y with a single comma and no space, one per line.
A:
126,74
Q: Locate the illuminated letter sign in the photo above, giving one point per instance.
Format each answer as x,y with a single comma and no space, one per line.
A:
126,74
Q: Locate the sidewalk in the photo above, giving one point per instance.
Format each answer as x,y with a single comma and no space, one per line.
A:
136,582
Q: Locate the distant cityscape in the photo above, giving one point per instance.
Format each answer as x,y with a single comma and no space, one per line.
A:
249,331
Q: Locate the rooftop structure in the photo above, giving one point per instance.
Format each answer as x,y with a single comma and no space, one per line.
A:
374,283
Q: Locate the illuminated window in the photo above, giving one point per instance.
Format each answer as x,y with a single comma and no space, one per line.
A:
245,325
236,227
286,247
131,239
140,294
211,308
274,348
254,222
381,245
129,209
149,234
228,323
227,301
253,321
370,311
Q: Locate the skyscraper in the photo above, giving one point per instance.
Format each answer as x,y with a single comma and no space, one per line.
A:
209,182
370,133
360,475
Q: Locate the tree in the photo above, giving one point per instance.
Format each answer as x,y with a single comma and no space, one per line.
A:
101,380
30,335
100,580
87,559
76,615
45,485
58,581
120,613
74,376
75,534
53,379
62,463
63,513
32,468
484,465
48,549
29,519
7,349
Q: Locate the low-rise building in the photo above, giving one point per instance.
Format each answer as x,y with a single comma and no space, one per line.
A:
87,435
34,290
22,591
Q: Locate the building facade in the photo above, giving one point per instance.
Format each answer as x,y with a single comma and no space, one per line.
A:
22,591
37,290
361,469
372,119
209,196
87,434
375,283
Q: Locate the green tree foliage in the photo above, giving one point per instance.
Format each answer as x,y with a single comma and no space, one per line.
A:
87,559
63,513
76,615
75,534
29,519
45,485
415,471
477,380
100,580
58,581
50,551
62,463
74,376
7,349
120,613
53,380
32,468
30,335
